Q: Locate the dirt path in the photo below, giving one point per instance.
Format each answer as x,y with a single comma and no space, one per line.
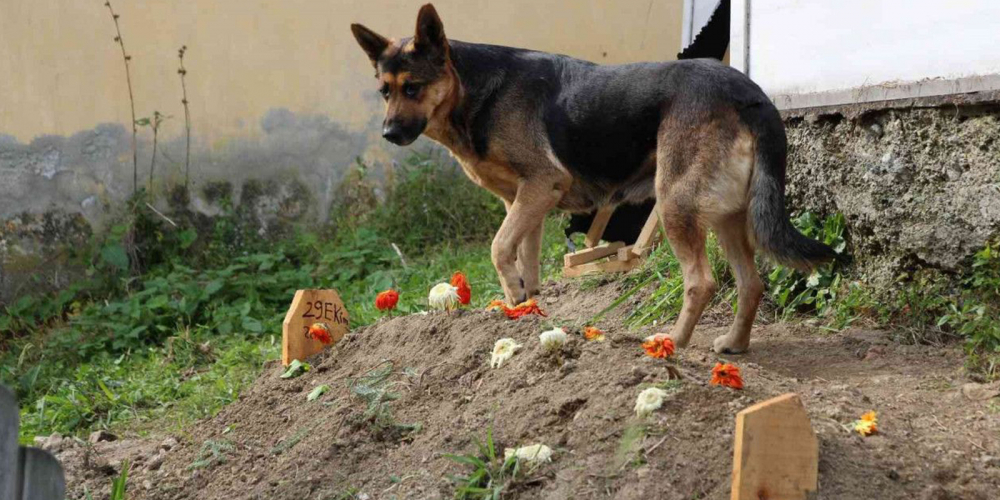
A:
935,443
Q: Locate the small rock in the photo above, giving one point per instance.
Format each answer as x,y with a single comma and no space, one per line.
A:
99,436
53,443
169,444
156,462
892,474
147,484
980,392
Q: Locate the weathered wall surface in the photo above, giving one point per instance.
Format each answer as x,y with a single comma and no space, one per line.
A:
918,186
282,100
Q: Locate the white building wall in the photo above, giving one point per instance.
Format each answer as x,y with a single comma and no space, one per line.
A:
820,52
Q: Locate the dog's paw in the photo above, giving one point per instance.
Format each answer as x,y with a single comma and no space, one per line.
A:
730,344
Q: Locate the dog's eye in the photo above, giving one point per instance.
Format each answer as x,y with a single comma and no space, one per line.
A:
411,89
384,91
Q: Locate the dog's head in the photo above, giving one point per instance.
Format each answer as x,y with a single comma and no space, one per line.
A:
415,76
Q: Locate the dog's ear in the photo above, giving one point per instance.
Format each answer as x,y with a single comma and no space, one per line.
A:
372,43
430,31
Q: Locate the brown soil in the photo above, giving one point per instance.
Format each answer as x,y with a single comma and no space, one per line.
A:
934,442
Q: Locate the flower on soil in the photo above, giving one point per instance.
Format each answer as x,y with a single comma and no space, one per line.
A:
459,281
320,332
591,333
534,454
649,401
727,375
868,424
443,296
503,349
386,301
525,308
552,340
659,345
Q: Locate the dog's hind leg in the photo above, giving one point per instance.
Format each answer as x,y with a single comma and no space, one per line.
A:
535,198
528,259
687,239
732,234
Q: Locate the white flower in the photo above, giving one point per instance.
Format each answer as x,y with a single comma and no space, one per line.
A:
503,349
553,339
443,296
649,400
535,454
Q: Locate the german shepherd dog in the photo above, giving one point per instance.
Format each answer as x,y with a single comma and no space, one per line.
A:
544,131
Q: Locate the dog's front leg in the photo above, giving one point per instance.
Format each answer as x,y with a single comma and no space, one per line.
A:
535,197
528,263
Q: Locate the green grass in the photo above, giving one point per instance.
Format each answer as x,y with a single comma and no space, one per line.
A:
489,475
181,336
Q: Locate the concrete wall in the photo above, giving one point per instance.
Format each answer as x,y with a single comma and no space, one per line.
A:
847,51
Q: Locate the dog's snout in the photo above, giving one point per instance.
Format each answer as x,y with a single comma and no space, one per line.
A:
393,133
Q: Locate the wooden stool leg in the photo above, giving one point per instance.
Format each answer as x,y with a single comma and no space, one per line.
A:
598,226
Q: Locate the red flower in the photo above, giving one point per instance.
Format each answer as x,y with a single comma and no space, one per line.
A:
321,332
525,308
459,281
386,301
659,346
727,375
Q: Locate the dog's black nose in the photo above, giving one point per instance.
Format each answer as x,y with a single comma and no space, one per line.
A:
393,133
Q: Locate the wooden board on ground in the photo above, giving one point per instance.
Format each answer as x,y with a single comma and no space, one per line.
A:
591,254
611,266
776,455
309,307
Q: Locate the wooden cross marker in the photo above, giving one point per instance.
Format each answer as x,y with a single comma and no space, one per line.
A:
309,307
776,455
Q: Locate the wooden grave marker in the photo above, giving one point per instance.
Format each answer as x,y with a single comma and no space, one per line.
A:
776,454
309,307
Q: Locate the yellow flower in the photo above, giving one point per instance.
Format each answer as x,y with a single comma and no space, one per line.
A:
443,296
868,424
503,349
649,401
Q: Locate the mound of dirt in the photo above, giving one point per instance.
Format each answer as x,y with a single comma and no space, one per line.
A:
273,443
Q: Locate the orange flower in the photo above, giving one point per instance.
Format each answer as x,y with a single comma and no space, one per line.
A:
525,308
659,345
591,333
320,332
386,301
464,291
727,375
868,424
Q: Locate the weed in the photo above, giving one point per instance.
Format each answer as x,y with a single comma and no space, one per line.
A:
793,291
182,71
375,390
119,483
491,475
212,453
126,58
289,443
154,124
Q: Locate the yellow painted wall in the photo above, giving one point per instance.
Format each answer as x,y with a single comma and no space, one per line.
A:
61,72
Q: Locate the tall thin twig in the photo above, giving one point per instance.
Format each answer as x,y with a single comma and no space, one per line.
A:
131,96
182,71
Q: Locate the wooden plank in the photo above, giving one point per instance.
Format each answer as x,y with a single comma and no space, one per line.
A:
42,475
776,455
598,226
613,266
625,253
309,307
591,254
9,467
650,231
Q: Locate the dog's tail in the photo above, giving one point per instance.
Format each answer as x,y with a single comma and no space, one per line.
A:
772,232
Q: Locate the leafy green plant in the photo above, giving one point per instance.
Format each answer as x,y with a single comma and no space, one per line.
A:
375,390
119,483
212,453
794,291
490,475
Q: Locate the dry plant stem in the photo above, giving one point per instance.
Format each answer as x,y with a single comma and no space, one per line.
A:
187,117
131,96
